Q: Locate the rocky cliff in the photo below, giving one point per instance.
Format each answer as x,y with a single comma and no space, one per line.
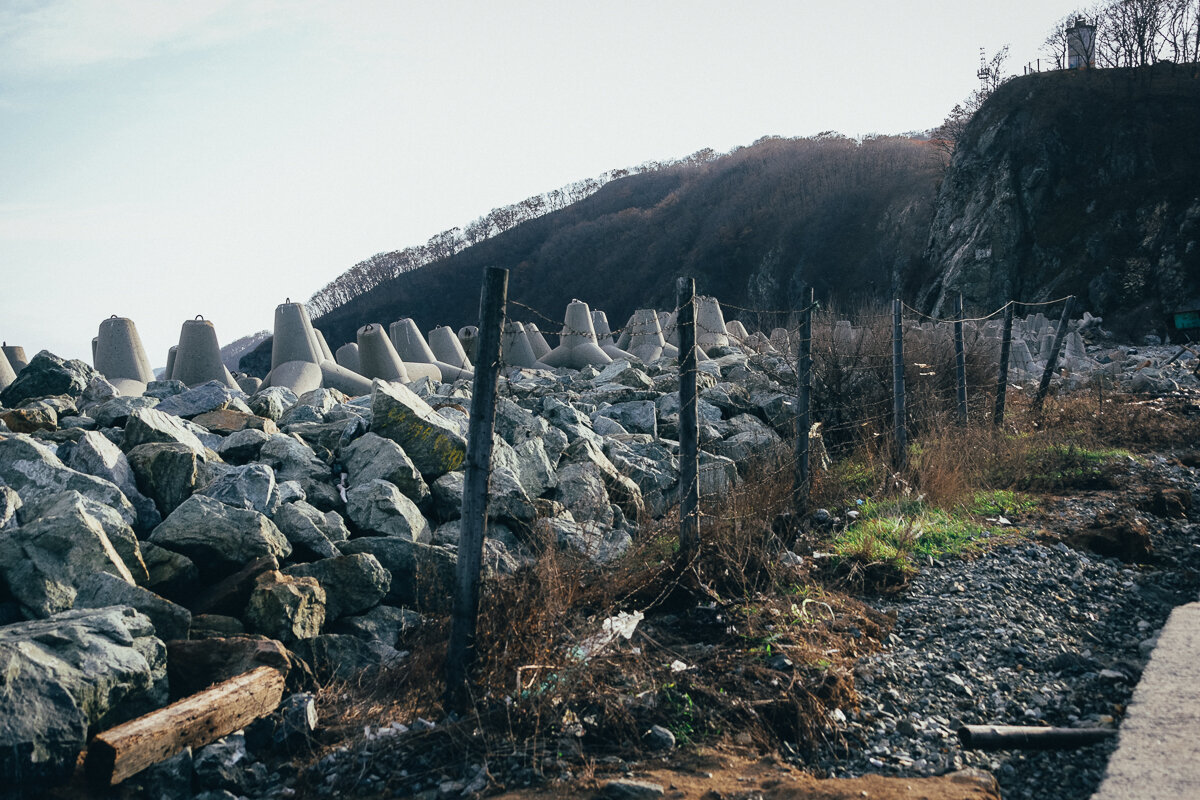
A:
1084,183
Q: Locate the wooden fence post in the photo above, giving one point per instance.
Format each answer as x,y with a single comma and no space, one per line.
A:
461,647
1047,373
960,361
901,437
1002,375
802,483
689,429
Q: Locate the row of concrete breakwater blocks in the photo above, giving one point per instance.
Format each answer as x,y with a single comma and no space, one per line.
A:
301,360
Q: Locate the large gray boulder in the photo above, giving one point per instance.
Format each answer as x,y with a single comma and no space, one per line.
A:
73,504
342,657
33,470
380,508
250,486
94,454
272,402
639,416
507,500
422,574
373,457
46,375
529,462
311,532
581,489
211,396
242,446
286,607
114,413
352,583
147,425
100,590
219,538
44,561
59,677
293,460
434,444
168,472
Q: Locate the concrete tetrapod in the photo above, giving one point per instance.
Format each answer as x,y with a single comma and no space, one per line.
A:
16,356
577,343
515,350
248,383
536,340
169,370
710,324
737,331
604,337
198,355
377,358
645,337
7,373
121,358
348,357
323,346
468,337
446,347
413,348
671,333
297,361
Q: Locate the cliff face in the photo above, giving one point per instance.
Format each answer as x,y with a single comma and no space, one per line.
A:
1084,183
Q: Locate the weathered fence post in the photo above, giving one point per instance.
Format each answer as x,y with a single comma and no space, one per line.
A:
689,429
1044,386
960,361
898,385
802,482
461,647
1002,375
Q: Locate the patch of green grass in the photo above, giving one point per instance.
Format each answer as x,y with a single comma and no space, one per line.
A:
1066,466
998,501
681,713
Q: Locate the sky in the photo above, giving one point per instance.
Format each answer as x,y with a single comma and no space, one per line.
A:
161,160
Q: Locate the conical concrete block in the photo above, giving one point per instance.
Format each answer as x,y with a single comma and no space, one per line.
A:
737,331
295,344
7,373
446,347
344,380
413,348
468,337
377,356
169,370
781,341
604,337
577,343
671,334
347,356
1020,360
16,357
248,383
198,355
710,324
120,356
299,376
515,350
645,336
293,339
536,340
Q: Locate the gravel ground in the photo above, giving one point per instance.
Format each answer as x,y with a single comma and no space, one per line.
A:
1027,634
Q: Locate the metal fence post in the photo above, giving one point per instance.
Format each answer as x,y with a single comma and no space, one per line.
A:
689,428
803,479
901,438
1002,375
960,361
1047,373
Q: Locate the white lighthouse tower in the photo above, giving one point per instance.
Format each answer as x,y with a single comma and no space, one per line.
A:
1081,45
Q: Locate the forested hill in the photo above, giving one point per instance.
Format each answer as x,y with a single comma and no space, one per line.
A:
752,227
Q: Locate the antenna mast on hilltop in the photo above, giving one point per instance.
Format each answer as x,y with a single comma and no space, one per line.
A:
985,71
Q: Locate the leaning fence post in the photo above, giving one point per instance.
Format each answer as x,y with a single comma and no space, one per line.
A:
689,428
898,385
1044,386
802,482
460,649
1002,375
960,360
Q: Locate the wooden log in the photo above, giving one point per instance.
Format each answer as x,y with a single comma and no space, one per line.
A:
127,749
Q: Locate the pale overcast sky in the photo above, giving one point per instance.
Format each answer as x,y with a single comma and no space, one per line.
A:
163,159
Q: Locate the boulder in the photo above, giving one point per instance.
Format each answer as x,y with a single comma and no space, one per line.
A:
434,445
95,455
211,396
45,375
293,460
381,624
44,561
33,470
636,417
114,413
194,665
59,677
149,425
374,457
581,489
344,658
230,594
507,500
167,472
10,504
422,575
244,445
599,544
251,486
352,583
219,538
172,574
286,607
73,504
310,531
380,508
170,621
228,420
29,420
272,402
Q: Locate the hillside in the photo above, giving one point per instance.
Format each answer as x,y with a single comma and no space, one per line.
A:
751,226
1084,183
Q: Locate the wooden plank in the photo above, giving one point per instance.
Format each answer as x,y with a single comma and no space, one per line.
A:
127,749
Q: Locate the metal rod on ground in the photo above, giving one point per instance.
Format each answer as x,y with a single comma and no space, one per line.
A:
461,647
1002,376
1044,386
960,361
898,385
802,484
1017,737
689,429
